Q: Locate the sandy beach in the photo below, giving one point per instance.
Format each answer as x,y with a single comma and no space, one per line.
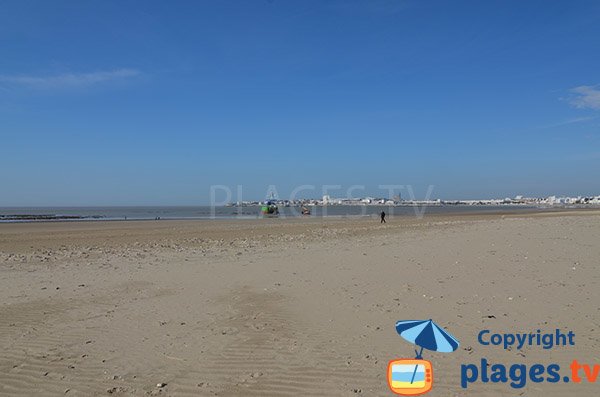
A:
288,307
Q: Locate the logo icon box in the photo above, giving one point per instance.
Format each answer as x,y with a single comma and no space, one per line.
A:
410,377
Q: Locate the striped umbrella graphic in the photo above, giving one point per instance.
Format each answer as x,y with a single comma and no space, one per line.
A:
427,335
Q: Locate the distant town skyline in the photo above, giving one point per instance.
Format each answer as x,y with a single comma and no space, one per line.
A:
397,200
152,103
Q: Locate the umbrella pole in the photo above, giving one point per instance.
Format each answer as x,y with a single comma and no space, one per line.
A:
418,357
416,366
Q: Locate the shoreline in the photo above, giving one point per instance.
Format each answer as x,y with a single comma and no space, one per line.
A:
452,210
41,236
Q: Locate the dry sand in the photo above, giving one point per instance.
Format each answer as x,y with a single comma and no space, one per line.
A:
292,307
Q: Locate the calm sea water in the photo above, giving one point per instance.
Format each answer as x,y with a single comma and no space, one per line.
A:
206,212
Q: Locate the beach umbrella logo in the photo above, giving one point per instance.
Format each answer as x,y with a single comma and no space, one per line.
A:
412,377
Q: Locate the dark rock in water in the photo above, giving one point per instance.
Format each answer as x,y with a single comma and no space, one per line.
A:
46,217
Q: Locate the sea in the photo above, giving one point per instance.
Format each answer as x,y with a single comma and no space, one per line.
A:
40,214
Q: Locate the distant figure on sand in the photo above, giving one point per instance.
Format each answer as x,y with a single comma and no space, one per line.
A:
382,217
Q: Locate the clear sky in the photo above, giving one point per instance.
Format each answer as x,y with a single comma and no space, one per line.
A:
151,102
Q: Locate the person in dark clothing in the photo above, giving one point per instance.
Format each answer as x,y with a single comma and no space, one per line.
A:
382,217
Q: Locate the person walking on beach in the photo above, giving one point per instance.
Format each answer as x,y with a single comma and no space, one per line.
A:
382,217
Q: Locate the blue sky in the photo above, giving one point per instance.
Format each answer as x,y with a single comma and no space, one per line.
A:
152,102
